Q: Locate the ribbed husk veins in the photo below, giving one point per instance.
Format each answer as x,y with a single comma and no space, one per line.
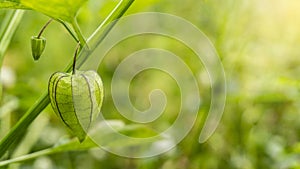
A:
76,99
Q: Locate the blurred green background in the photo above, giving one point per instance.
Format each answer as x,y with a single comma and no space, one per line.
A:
258,44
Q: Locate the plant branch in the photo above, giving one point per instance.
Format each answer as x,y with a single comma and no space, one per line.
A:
43,101
98,36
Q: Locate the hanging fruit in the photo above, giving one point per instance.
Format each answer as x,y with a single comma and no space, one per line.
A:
76,98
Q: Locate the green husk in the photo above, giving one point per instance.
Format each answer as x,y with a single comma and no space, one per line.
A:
76,99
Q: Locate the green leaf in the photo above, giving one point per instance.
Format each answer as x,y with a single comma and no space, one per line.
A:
60,10
65,10
12,5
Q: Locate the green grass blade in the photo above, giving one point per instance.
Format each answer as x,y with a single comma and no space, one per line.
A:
58,9
8,28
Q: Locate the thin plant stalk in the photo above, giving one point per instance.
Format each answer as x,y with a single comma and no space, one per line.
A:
77,30
43,29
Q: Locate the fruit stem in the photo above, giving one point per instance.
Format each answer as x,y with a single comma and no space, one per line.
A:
75,56
44,27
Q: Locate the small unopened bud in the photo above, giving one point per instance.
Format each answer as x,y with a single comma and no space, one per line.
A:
37,46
